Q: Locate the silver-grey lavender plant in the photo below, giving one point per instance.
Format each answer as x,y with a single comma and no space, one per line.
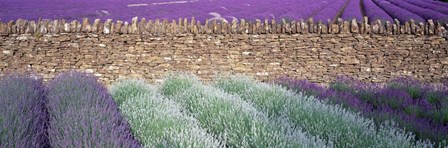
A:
236,122
332,123
157,121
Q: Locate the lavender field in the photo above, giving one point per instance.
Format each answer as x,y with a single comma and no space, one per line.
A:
75,110
225,10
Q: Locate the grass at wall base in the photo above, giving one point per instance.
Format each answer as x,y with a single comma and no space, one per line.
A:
75,110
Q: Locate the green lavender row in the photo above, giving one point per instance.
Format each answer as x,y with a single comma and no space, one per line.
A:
231,119
156,121
332,123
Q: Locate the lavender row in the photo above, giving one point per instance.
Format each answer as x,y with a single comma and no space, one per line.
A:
438,3
83,114
429,5
419,108
397,12
374,12
424,13
353,11
331,11
23,117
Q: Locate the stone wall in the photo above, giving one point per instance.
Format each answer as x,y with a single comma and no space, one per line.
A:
373,55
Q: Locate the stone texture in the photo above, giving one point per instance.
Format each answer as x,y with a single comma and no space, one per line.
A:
354,26
316,57
265,50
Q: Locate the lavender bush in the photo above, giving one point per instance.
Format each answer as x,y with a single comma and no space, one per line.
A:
331,11
414,106
436,2
332,123
397,12
234,121
352,11
157,121
23,117
83,114
445,81
428,5
374,12
424,13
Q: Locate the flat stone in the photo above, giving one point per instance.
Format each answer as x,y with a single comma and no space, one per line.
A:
6,52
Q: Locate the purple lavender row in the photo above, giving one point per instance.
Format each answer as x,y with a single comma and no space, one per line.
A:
419,108
396,12
83,114
414,105
23,118
424,13
331,11
375,13
437,3
307,8
288,11
429,5
352,11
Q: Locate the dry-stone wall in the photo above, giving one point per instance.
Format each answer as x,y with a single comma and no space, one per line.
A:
372,52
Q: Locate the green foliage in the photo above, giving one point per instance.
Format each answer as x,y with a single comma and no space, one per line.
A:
174,83
157,121
332,123
232,119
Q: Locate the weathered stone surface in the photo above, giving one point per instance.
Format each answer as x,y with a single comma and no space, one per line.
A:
354,26
107,26
396,26
134,27
265,50
407,27
334,28
388,29
324,29
310,25
85,26
421,29
118,26
265,56
376,27
3,29
345,27
431,27
439,29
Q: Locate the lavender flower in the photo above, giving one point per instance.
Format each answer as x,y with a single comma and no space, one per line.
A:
397,12
424,13
331,11
352,11
83,114
237,122
429,5
331,122
23,117
374,12
415,106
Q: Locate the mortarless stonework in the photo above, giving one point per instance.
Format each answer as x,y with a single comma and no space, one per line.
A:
373,54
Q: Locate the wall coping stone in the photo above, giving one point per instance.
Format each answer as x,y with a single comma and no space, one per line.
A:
192,26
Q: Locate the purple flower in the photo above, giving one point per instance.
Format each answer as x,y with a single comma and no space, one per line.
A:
331,11
424,13
83,114
399,13
417,107
352,11
375,13
23,117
